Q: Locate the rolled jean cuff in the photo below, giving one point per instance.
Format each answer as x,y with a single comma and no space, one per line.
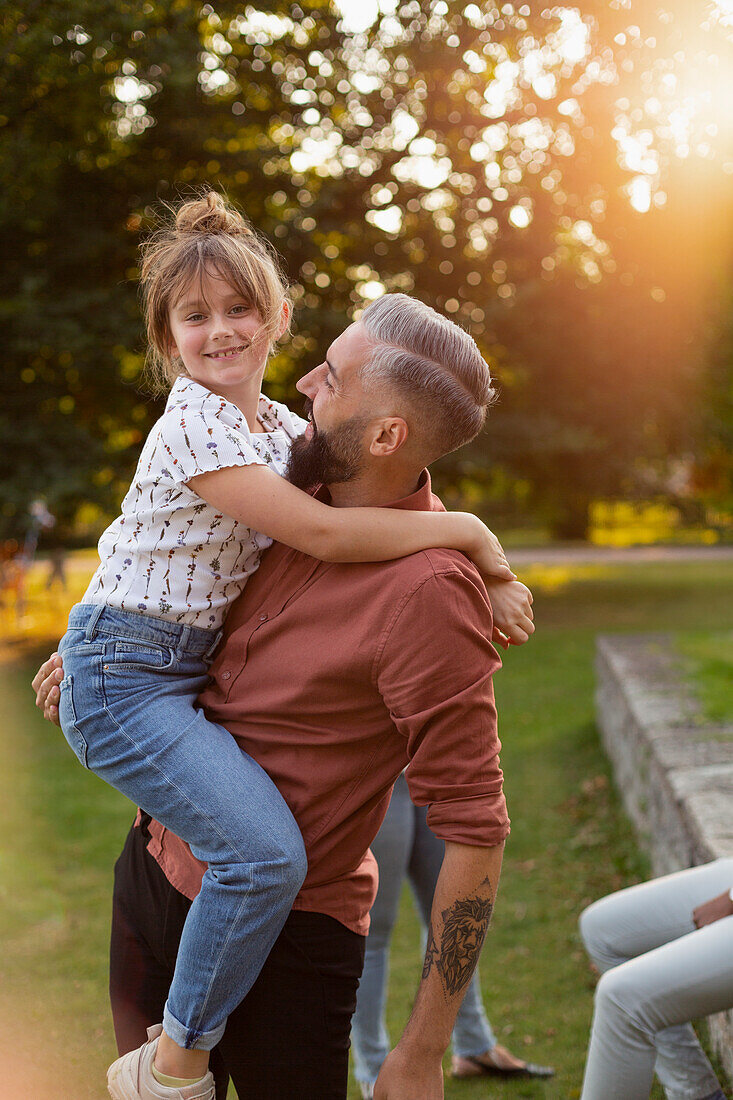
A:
472,1033
189,1038
474,1051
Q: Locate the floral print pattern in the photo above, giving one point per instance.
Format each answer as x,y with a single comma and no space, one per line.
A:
169,553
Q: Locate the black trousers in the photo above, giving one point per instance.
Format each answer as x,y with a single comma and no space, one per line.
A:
289,1038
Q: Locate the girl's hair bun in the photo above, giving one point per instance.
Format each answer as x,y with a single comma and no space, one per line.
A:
210,214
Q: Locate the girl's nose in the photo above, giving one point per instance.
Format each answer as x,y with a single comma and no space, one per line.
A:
222,327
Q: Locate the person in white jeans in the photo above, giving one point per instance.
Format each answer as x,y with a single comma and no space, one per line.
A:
665,952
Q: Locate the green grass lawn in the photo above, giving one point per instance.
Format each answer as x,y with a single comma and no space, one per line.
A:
570,843
709,672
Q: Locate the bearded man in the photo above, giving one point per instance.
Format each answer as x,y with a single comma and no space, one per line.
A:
335,678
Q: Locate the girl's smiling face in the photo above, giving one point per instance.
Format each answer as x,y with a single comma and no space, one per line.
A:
219,336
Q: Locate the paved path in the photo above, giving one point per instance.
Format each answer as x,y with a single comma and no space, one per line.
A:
605,555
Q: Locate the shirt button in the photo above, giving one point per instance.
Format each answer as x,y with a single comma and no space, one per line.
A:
263,618
226,675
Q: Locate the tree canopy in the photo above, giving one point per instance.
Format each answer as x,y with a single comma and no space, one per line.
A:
555,180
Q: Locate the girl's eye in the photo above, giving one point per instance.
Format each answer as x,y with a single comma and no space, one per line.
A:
241,309
195,317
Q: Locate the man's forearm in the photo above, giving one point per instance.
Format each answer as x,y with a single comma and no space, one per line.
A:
462,907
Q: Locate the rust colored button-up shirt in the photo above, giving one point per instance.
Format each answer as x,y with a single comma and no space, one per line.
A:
335,678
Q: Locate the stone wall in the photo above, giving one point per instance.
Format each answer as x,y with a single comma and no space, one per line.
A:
674,774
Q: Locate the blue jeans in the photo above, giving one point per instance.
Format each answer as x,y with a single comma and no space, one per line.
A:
128,710
405,847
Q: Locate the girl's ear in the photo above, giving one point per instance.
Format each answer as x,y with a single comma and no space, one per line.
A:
284,319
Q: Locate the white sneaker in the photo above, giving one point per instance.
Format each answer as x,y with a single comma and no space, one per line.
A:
131,1077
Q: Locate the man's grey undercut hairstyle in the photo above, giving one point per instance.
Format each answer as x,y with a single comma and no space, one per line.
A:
435,365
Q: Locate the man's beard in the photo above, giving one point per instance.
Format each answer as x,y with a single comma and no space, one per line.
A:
327,457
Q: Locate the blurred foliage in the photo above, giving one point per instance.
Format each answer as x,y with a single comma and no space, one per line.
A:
530,172
622,523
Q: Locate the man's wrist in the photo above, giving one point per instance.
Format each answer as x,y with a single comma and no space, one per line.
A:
418,1047
423,1039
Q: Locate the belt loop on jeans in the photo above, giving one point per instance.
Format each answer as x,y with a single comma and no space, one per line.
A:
93,620
214,644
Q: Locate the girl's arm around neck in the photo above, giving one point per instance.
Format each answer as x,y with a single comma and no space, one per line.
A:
259,498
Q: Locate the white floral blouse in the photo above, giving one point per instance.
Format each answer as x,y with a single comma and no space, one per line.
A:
170,554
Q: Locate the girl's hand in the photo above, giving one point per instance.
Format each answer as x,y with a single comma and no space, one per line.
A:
486,551
511,602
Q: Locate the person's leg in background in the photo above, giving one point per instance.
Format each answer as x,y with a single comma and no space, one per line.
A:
391,848
659,972
406,847
472,1034
476,1051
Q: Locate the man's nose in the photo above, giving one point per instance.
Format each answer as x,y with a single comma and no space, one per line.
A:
308,384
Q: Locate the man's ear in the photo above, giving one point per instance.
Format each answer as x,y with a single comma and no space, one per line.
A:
391,433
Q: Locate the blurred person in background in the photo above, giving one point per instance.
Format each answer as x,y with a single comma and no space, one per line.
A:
665,952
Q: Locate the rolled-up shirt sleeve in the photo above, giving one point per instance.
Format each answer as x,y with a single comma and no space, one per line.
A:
434,671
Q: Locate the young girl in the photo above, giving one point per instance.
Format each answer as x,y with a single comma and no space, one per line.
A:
136,651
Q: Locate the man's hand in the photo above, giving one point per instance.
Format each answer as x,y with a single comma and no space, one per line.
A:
712,910
45,683
410,1076
511,603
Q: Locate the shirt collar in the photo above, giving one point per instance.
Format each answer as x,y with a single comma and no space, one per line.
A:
185,389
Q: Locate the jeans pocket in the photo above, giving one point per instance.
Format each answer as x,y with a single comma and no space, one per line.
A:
67,717
147,656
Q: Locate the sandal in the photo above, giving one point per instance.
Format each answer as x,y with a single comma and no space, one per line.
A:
483,1069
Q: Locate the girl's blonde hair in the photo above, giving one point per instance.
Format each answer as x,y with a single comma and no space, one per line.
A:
206,236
